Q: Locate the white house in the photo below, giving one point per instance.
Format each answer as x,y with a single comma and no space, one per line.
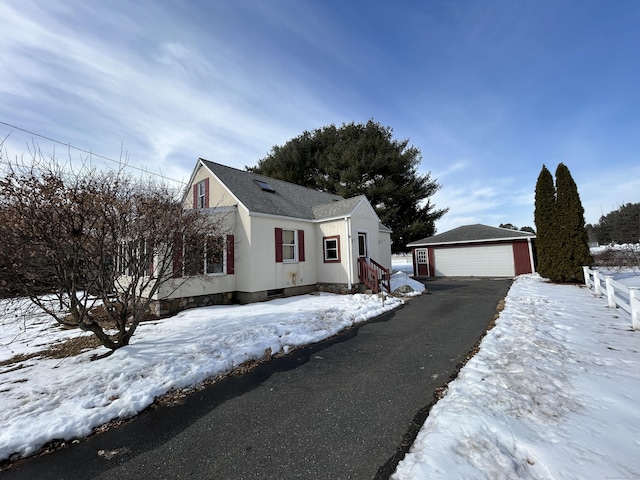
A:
278,239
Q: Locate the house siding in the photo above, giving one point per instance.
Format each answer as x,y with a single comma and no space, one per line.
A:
384,249
218,194
329,273
265,272
207,284
365,220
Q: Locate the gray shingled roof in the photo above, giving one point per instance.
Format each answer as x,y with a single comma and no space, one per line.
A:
288,199
337,209
472,233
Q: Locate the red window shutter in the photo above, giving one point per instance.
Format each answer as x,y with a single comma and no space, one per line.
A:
195,195
151,255
177,257
278,245
301,245
206,192
230,254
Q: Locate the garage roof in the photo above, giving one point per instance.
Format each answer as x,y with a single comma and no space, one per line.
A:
472,234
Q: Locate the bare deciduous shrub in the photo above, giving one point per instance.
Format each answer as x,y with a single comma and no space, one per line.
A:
619,257
75,239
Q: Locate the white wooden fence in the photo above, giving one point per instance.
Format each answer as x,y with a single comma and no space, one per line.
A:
618,295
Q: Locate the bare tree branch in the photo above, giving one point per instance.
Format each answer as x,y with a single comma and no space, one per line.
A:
102,243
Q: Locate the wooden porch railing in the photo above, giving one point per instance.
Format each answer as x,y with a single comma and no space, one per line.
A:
374,275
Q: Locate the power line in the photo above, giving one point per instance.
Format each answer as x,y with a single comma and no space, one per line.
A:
89,152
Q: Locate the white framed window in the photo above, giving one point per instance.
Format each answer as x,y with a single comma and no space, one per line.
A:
289,246
331,249
201,192
421,254
362,245
204,256
208,255
135,258
214,255
193,263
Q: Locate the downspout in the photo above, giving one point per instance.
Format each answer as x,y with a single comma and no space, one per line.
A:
347,222
533,269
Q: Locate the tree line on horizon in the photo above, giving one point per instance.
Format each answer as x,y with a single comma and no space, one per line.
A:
511,226
621,226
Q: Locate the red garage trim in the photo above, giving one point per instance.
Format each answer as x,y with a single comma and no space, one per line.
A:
521,257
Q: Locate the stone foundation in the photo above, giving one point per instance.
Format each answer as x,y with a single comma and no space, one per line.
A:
341,288
252,297
175,305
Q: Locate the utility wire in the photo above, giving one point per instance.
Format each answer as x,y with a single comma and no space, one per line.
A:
89,152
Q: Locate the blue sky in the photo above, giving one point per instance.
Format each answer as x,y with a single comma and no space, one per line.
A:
487,90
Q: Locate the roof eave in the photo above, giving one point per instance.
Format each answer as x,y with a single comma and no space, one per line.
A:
281,217
456,242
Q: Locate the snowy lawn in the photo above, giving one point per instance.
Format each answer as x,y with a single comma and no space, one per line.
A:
60,399
554,392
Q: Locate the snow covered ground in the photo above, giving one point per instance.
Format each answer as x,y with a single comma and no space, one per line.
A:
45,399
554,392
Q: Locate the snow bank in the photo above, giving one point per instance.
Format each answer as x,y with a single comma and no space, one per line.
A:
401,279
552,393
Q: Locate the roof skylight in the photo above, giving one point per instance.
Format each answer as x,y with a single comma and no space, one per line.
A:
265,186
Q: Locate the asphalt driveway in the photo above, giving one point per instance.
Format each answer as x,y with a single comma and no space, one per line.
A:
337,410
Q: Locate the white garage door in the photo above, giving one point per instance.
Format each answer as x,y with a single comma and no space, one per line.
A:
476,261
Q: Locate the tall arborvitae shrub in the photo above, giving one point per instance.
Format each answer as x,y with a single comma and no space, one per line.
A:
544,215
571,250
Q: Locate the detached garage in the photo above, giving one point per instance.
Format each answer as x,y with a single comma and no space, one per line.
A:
474,251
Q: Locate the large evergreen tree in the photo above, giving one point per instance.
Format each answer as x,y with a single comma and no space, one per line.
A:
544,214
362,159
572,247
562,244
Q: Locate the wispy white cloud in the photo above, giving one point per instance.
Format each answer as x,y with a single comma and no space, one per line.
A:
456,167
479,94
500,200
173,100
